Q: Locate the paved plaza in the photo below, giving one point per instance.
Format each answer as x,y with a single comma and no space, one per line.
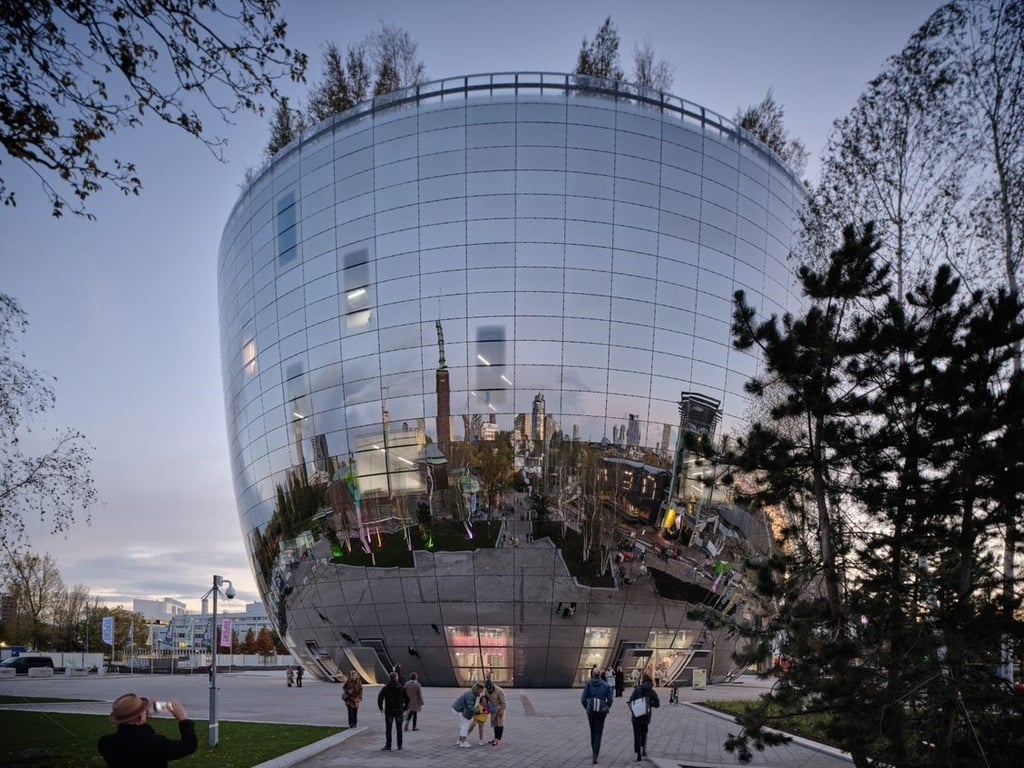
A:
544,727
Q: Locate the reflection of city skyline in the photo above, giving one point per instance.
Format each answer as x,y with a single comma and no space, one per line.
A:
429,312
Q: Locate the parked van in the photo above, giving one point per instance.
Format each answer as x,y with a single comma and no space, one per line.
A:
22,664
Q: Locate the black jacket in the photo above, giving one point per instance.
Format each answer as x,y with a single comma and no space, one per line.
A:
393,698
642,690
139,746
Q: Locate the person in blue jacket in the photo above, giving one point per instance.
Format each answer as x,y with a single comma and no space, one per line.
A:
597,701
463,707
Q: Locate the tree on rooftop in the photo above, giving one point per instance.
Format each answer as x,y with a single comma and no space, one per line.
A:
74,73
649,73
286,126
600,58
765,121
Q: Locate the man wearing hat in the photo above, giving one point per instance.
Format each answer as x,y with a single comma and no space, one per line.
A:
135,744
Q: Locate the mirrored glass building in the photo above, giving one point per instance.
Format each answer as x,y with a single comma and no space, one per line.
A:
464,329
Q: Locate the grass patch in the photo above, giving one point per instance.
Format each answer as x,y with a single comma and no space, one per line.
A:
391,550
809,726
71,740
571,544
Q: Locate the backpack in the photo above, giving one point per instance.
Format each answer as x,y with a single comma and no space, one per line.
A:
596,703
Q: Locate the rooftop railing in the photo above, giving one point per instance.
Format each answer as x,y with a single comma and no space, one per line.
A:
466,87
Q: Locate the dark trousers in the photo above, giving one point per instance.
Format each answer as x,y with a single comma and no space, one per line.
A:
392,719
640,726
353,716
411,718
596,720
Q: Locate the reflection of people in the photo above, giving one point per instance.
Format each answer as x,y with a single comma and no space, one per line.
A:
643,692
352,695
135,744
497,696
392,701
596,700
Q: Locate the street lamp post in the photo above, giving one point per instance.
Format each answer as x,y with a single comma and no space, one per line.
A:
229,593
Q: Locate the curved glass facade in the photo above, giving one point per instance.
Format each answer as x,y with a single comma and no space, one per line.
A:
465,294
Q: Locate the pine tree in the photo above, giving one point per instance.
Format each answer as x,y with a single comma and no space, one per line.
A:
601,57
906,470
333,94
286,126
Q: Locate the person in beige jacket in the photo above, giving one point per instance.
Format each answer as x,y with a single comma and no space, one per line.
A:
415,693
352,695
496,695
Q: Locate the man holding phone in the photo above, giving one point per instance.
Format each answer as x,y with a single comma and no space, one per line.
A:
135,744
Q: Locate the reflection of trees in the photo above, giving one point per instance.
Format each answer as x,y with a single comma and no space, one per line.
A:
296,506
492,460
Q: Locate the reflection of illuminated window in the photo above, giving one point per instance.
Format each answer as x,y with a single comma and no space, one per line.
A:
249,358
477,652
492,375
596,651
356,285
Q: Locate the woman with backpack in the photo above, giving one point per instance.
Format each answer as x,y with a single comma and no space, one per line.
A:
643,699
597,701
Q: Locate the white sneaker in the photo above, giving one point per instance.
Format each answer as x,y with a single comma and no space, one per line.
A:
465,744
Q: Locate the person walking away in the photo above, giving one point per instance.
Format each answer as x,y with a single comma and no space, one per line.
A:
481,712
414,691
392,701
620,682
299,671
463,707
289,676
643,699
135,744
497,696
352,695
597,702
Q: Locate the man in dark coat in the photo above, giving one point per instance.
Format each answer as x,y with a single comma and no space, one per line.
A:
135,744
392,701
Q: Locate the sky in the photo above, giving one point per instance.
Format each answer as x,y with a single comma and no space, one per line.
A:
123,309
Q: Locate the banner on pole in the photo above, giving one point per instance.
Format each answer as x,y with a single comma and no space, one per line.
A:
225,633
131,633
108,630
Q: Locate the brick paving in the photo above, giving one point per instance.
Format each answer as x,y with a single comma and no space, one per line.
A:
545,728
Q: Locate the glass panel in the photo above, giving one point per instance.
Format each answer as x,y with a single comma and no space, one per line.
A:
287,232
